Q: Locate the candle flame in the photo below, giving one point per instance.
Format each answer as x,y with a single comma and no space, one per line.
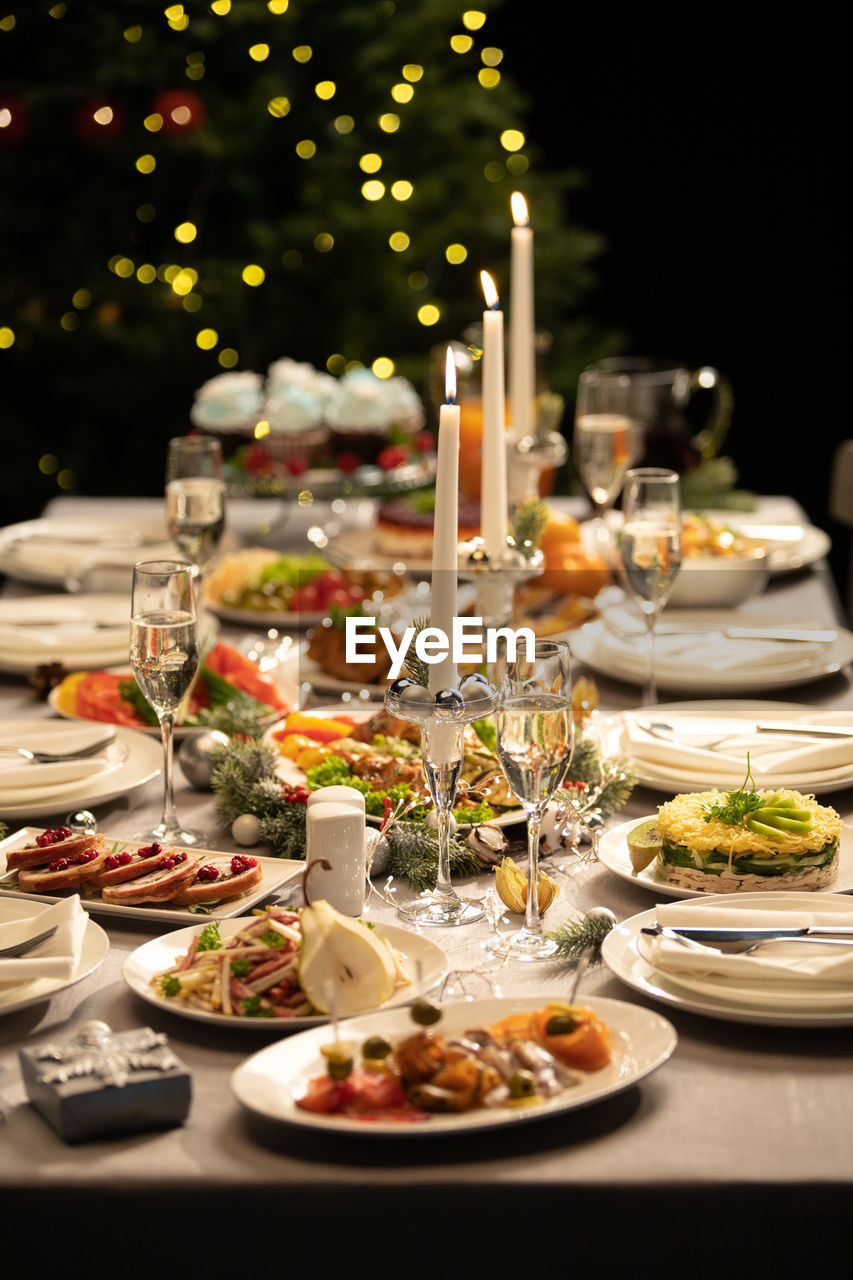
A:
450,377
518,204
489,290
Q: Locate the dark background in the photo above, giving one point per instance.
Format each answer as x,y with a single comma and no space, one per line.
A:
716,154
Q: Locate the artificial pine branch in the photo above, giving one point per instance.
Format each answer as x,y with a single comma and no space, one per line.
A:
417,669
528,522
578,936
413,856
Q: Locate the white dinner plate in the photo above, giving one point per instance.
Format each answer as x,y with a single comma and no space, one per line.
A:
660,777
790,546
87,631
588,645
622,952
142,760
269,1082
48,552
277,872
424,957
290,773
18,995
265,618
613,854
357,549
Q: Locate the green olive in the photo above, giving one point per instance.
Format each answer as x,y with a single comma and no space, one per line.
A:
562,1024
424,1013
522,1083
339,1068
375,1047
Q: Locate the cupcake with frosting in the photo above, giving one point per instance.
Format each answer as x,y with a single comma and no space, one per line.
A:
296,408
369,413
228,407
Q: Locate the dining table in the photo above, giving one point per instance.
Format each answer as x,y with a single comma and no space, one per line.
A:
736,1152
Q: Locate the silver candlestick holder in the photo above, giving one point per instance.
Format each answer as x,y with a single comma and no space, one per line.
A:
442,717
497,576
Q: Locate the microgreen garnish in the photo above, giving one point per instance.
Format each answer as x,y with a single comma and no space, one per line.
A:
252,1008
738,805
170,985
270,938
209,939
241,967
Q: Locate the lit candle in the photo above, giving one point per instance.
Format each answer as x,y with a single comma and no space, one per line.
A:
493,493
522,360
443,674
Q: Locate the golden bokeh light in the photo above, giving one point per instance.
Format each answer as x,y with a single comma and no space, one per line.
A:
325,90
278,6
81,299
306,149
259,52
303,53
373,190
103,115
383,367
48,464
206,339
344,124
146,213
221,7
370,162
133,34
323,242
402,190
7,337
278,107
399,241
262,429
389,122
455,253
228,357
402,93
253,275
413,72
146,163
154,122
473,19
146,274
512,139
489,78
428,314
461,44
185,233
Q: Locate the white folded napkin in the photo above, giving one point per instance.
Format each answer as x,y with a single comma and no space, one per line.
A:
54,735
68,637
782,962
34,777
769,756
57,958
707,653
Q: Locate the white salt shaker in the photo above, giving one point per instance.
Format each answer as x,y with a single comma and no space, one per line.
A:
338,794
335,833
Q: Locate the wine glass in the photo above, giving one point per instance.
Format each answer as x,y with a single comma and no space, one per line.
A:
535,740
195,497
607,436
164,658
650,546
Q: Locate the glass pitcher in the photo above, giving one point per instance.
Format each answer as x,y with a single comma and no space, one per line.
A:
661,392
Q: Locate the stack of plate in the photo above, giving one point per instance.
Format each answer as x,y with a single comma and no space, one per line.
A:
80,632
123,760
690,746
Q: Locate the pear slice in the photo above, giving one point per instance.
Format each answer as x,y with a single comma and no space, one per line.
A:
644,845
341,963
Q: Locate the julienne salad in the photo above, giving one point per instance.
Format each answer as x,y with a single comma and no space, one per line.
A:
226,679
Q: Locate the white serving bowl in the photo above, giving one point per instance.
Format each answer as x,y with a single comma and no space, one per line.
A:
720,582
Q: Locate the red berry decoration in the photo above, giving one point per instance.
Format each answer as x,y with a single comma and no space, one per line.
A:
394,456
348,463
208,872
424,442
296,466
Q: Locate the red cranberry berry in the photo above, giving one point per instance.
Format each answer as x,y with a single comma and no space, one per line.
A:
61,864
239,864
348,462
208,872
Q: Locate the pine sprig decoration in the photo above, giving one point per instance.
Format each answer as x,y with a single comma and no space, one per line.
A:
528,521
238,769
578,936
416,668
610,780
413,856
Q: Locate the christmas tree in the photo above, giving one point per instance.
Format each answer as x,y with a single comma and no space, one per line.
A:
198,187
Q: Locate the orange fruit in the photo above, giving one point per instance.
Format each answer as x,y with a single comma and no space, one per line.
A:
559,531
575,571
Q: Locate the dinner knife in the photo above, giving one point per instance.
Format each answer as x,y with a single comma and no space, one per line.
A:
713,934
806,634
733,728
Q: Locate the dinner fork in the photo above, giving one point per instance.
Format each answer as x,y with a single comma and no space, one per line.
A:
55,757
26,945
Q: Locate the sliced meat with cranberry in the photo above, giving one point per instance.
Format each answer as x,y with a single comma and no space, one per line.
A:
220,879
129,864
50,845
68,871
171,872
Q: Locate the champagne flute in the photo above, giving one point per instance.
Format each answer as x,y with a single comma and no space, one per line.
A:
535,740
650,547
164,658
195,497
607,434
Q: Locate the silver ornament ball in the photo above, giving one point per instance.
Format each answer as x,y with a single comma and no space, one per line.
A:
81,822
195,756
